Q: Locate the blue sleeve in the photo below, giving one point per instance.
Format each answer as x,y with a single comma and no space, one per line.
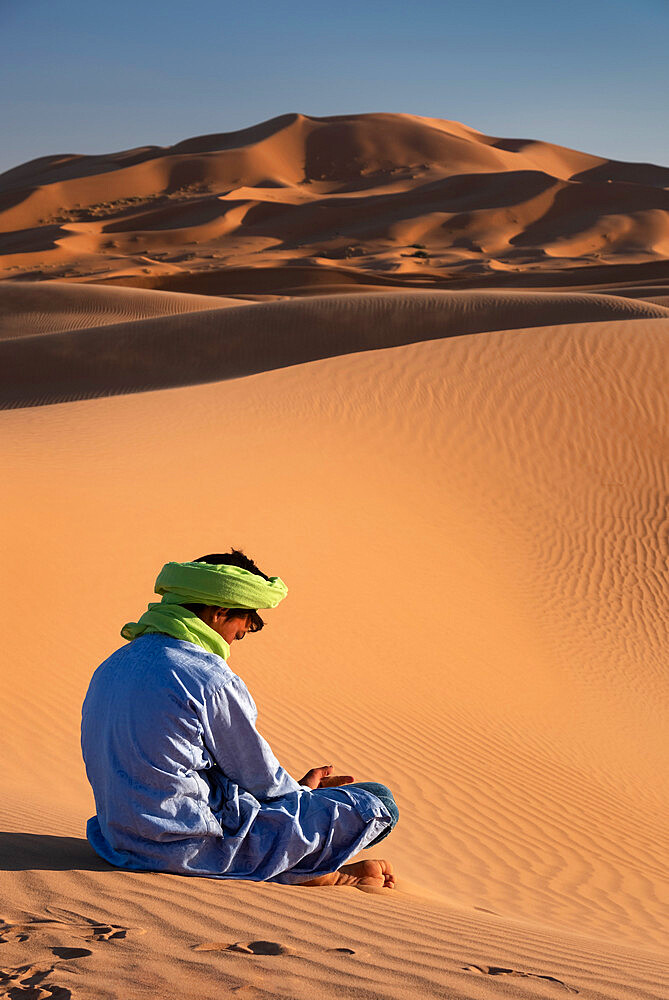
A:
242,754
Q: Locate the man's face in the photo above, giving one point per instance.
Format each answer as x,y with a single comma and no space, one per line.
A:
232,628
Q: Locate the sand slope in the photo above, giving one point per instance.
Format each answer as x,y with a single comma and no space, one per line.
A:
400,196
31,309
474,533
222,342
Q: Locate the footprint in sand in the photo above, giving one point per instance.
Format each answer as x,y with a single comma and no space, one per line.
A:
246,947
30,983
498,970
73,923
71,952
92,930
259,948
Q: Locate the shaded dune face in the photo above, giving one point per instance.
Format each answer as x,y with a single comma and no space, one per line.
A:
105,350
413,200
36,310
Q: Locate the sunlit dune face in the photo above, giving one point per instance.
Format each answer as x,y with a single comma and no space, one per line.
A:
437,199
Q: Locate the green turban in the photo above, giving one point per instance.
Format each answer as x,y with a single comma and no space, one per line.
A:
220,585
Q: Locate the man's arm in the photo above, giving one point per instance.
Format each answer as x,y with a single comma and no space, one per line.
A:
243,755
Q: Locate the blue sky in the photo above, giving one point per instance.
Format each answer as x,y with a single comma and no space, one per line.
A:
96,77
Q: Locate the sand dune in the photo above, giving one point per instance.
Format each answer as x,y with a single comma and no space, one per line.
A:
454,453
394,195
158,352
484,505
28,309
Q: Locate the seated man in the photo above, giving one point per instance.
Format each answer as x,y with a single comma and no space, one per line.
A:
183,781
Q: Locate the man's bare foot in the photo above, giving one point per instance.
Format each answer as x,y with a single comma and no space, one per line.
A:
378,874
375,874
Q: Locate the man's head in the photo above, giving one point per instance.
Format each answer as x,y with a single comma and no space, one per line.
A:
229,623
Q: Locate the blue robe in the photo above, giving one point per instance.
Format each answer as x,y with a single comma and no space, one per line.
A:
184,782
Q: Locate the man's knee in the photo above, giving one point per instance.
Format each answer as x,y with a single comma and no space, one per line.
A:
383,793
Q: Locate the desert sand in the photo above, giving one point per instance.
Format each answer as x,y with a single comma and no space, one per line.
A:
458,464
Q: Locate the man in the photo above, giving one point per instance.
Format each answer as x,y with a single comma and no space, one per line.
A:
183,781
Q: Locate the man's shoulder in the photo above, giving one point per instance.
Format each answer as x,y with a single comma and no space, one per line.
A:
163,654
182,656
205,674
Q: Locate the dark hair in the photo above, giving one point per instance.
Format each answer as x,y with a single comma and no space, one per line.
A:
235,557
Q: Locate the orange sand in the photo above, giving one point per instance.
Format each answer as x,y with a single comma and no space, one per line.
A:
395,199
496,462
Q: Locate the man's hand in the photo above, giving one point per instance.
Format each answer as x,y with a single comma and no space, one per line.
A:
322,777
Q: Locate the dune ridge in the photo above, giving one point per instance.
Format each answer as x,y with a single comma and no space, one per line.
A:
39,309
395,195
235,340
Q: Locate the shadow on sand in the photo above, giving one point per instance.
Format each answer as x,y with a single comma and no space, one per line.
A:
221,343
31,851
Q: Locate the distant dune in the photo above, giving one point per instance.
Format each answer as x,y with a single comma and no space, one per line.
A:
398,197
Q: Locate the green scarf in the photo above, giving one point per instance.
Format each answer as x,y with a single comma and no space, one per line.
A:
181,623
220,586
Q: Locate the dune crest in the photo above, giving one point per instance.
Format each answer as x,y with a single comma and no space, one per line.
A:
38,309
399,196
228,340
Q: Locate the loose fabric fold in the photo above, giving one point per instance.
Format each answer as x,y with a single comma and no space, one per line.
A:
219,585
180,623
